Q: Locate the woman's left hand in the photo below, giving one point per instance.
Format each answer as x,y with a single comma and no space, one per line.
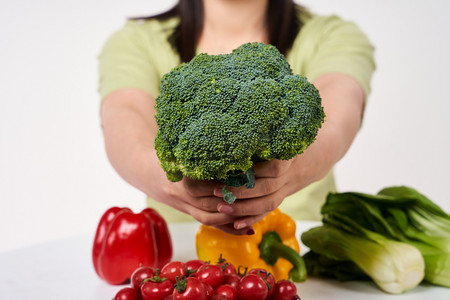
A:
275,180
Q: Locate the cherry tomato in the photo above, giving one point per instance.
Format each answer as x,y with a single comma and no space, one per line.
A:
226,266
285,290
127,293
151,290
209,291
193,265
268,278
194,290
173,269
232,279
139,275
252,287
228,291
211,274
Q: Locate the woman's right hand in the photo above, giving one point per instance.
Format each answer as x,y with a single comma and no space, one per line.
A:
193,197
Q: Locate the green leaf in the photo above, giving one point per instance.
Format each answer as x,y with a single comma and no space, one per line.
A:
404,192
322,266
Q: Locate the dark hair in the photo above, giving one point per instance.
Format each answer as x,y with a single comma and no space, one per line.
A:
282,20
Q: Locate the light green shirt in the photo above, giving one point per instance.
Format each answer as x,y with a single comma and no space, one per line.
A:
139,54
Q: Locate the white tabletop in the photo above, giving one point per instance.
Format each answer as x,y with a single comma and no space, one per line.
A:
62,270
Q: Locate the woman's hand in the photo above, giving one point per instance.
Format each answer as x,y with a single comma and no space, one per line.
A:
252,205
193,197
275,180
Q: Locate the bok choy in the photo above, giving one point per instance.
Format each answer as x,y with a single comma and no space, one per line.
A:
394,266
398,214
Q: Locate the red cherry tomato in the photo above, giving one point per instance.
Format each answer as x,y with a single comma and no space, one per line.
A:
226,266
252,287
268,278
139,275
285,290
228,291
172,270
156,290
193,265
127,293
232,279
194,290
209,291
211,274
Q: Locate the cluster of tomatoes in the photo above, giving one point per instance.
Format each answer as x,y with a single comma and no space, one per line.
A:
199,280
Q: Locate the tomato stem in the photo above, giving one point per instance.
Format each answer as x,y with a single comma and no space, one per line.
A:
242,274
155,278
269,287
180,285
221,259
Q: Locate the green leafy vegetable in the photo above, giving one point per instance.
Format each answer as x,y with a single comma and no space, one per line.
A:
394,266
399,214
403,214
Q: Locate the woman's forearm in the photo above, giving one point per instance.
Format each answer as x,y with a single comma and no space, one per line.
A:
129,132
343,102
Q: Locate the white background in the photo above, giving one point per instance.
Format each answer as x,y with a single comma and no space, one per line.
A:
55,180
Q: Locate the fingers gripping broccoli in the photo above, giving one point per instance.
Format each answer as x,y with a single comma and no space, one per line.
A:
219,114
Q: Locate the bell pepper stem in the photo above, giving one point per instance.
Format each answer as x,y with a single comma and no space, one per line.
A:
272,248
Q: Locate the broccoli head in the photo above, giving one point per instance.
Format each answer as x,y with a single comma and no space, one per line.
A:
219,114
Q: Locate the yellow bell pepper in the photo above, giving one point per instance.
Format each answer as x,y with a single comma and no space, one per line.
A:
274,247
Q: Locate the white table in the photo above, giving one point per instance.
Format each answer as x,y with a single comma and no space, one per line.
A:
62,270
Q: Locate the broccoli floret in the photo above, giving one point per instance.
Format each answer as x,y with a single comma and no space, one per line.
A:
219,114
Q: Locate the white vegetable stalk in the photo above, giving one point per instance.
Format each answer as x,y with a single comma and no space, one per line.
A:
394,266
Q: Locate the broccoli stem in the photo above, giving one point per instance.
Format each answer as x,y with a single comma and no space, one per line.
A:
228,196
246,179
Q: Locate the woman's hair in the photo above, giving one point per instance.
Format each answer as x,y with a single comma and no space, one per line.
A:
283,25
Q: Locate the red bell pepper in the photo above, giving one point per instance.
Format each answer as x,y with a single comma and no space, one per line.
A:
125,240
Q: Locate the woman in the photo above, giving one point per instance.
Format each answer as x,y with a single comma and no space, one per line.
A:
334,55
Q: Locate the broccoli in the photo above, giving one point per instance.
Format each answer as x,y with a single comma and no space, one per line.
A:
219,114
